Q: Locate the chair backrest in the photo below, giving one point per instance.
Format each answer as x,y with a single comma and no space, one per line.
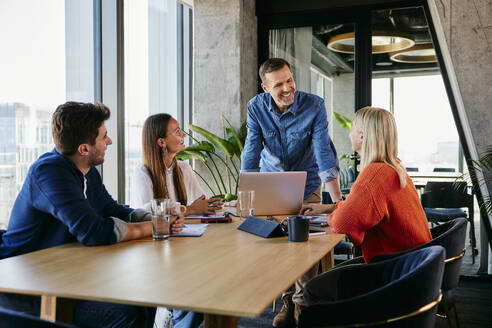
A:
446,195
450,235
350,175
13,319
444,169
342,178
379,292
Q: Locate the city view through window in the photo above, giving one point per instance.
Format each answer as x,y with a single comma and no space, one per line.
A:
41,67
427,135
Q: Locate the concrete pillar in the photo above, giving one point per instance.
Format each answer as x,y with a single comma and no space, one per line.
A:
225,60
225,63
467,27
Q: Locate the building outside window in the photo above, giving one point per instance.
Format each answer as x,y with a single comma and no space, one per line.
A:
46,59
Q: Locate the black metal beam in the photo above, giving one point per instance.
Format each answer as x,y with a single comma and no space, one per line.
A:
363,62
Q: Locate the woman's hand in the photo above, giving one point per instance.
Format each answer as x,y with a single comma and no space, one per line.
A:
316,209
177,225
204,206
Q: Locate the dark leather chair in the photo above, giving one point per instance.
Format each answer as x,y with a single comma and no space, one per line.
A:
400,292
450,235
13,319
443,202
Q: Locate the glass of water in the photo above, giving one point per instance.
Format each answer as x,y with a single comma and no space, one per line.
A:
162,217
245,203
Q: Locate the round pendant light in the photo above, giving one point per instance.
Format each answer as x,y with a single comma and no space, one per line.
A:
418,54
382,42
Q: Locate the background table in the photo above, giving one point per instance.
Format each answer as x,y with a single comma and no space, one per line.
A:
225,274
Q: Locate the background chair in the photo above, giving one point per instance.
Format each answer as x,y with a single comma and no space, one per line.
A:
444,169
442,202
13,319
385,293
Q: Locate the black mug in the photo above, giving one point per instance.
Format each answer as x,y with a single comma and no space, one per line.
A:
297,228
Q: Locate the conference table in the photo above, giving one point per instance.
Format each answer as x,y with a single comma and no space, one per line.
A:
226,273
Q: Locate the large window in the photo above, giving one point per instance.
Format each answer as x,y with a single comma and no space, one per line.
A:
52,52
46,58
157,52
427,133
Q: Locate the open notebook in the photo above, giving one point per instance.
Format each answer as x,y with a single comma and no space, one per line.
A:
191,230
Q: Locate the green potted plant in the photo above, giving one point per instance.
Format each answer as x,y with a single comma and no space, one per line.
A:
480,172
214,151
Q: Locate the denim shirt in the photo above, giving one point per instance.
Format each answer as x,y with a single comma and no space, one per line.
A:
56,206
296,140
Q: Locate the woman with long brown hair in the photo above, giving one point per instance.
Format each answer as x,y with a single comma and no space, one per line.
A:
162,175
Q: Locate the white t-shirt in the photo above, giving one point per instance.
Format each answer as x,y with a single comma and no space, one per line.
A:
142,189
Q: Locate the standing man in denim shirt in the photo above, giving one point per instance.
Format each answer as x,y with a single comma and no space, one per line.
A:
63,200
288,131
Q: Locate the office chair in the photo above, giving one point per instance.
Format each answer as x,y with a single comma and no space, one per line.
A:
380,294
444,169
350,175
13,319
450,235
442,202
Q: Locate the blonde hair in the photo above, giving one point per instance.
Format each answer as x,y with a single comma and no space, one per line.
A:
380,139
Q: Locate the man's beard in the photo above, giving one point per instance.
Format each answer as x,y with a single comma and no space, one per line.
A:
96,159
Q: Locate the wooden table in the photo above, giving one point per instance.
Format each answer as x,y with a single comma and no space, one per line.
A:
225,274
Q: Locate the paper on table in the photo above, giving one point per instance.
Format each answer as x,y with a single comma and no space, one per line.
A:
318,218
191,230
213,216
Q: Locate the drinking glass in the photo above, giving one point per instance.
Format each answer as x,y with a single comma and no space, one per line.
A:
163,215
245,203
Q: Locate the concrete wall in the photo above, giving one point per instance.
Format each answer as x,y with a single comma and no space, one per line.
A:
224,57
467,29
225,62
467,25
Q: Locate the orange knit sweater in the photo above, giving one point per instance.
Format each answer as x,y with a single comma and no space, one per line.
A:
380,215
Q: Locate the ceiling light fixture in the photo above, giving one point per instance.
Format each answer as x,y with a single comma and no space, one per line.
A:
418,54
382,42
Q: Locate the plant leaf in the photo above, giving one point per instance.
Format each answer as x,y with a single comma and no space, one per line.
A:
343,121
188,154
242,132
223,145
234,140
202,146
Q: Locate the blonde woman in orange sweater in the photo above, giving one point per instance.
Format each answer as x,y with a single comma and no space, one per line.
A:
382,212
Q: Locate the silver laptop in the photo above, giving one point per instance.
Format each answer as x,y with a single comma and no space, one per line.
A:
276,193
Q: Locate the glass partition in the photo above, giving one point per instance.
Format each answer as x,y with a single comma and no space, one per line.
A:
322,71
407,81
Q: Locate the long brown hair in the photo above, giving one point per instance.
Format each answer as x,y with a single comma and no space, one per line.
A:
155,127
